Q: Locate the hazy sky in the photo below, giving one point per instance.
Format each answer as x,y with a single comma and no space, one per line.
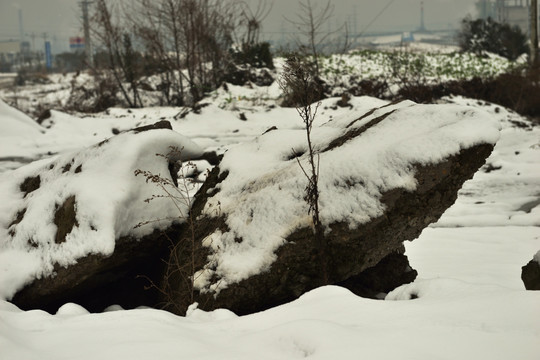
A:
60,19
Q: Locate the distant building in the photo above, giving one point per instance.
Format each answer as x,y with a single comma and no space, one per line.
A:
13,52
407,37
10,47
513,12
9,54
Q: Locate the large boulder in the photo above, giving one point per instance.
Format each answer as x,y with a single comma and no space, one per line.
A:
79,228
530,273
384,176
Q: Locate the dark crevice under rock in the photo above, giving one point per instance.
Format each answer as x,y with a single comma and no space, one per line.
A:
164,124
355,132
124,278
375,282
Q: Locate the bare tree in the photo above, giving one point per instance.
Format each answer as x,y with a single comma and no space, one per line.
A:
251,20
186,43
190,40
309,22
158,26
119,50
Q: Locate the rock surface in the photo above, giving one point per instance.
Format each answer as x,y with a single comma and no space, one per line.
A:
352,250
75,225
530,273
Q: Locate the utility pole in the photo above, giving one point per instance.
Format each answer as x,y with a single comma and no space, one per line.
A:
33,36
86,24
21,31
534,32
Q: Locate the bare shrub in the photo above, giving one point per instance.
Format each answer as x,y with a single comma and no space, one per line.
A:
297,82
93,97
179,192
309,23
111,33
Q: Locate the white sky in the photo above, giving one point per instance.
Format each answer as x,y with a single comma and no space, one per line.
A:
60,19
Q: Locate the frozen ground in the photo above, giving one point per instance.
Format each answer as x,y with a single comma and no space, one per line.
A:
471,303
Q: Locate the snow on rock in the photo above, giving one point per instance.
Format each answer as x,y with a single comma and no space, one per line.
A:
373,165
262,196
57,211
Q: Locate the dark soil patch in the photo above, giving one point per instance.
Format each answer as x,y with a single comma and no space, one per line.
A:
65,218
30,184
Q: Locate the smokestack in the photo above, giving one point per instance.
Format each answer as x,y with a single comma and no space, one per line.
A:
422,26
21,32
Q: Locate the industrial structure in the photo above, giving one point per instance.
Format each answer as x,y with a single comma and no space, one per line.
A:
513,12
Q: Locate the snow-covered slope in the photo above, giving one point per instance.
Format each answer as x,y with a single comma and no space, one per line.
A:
15,123
18,133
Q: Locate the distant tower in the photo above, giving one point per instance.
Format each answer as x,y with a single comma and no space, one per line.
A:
21,31
422,26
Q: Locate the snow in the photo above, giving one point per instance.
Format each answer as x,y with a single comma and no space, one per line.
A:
471,302
18,133
14,122
451,320
537,257
509,194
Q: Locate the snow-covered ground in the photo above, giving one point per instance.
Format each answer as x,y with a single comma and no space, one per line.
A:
467,303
